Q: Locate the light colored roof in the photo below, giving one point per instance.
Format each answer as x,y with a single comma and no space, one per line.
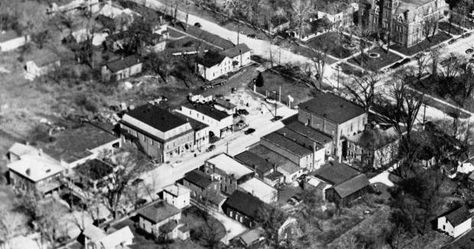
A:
258,188
229,165
22,242
35,167
290,168
22,149
251,236
93,233
176,189
117,238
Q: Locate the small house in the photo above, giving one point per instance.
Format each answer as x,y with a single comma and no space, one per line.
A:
162,220
177,195
41,63
243,207
200,184
122,68
455,222
10,40
344,193
215,64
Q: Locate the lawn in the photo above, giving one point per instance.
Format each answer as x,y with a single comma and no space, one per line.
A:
451,29
375,64
426,44
310,53
329,41
350,70
274,81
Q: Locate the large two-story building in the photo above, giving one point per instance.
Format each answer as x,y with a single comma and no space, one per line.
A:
335,116
215,64
409,21
157,132
219,122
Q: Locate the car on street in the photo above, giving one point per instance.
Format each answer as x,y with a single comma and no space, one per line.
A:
249,131
251,35
211,148
452,41
197,25
469,51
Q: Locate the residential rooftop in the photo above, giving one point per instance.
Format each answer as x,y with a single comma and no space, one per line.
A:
209,37
43,57
287,143
254,161
207,110
229,165
198,178
458,215
245,203
94,169
123,63
158,212
352,185
211,58
35,167
115,239
236,50
335,173
156,117
258,188
332,107
176,190
75,143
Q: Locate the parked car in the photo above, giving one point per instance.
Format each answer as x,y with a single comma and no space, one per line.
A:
211,148
276,118
197,25
140,203
469,51
249,131
251,35
452,41
242,112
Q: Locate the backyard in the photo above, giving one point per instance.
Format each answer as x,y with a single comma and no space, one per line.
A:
333,43
375,59
424,45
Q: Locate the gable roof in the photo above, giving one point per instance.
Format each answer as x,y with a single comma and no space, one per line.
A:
236,50
244,203
158,212
156,117
287,144
253,160
332,107
122,63
116,238
307,131
352,185
195,124
458,216
35,167
335,173
211,58
43,57
198,178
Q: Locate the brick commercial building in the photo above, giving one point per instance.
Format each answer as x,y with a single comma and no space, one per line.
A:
409,21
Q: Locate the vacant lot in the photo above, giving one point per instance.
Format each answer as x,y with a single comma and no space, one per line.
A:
373,63
426,44
332,42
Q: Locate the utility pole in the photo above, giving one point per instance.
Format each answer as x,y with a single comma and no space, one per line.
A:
227,148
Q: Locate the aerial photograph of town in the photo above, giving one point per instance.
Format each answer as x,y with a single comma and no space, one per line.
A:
228,124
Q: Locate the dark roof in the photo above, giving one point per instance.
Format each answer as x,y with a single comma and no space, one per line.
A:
198,178
244,203
94,169
253,160
351,186
465,241
287,144
208,110
74,144
237,50
273,157
224,103
195,124
122,63
316,135
156,117
299,139
335,173
332,107
158,212
211,58
458,216
274,175
209,37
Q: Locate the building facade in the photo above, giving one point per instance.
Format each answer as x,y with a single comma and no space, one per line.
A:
409,22
219,122
122,68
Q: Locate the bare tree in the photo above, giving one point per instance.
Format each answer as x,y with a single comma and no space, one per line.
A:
434,56
362,89
319,61
452,66
421,63
302,10
130,164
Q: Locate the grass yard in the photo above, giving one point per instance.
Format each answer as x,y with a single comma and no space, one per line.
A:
426,44
329,41
310,53
350,70
374,64
450,29
273,81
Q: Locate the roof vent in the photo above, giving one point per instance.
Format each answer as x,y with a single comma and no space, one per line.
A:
28,171
48,170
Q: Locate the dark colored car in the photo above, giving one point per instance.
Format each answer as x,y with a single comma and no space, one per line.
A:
242,112
469,51
197,25
249,131
276,118
211,148
251,35
97,222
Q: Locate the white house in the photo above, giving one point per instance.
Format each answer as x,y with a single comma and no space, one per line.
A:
162,220
177,195
41,63
215,64
260,189
219,122
10,40
455,222
96,238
